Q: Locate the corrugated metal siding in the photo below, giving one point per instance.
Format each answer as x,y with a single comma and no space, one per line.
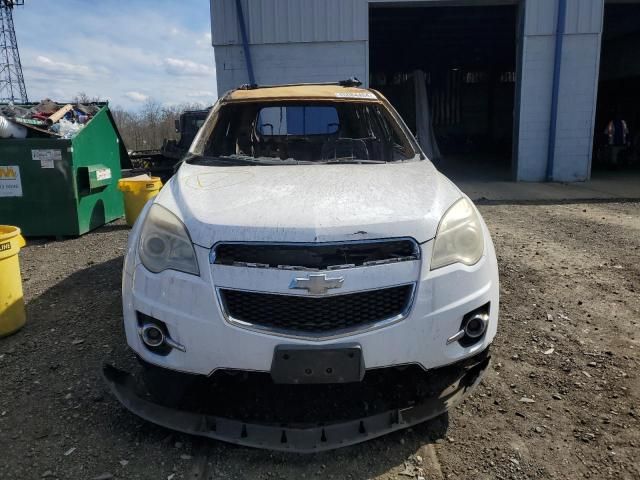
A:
578,84
577,106
284,21
540,17
291,63
584,16
535,106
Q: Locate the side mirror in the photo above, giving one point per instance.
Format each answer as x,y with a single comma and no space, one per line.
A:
176,123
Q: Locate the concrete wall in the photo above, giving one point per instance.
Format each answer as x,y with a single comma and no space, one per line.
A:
325,40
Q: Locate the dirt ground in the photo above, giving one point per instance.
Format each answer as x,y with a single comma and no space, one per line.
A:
561,399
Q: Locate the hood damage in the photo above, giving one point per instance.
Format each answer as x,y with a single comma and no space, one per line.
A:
309,203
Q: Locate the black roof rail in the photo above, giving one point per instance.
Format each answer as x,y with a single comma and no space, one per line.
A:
349,82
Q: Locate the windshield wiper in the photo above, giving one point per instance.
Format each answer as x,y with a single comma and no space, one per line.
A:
351,160
241,160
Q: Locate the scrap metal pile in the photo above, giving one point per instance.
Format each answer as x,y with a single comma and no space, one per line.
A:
45,119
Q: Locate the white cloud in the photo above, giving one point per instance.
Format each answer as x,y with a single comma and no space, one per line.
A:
176,66
108,55
46,63
136,96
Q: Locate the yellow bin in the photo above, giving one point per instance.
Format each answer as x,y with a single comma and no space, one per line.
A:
137,191
12,313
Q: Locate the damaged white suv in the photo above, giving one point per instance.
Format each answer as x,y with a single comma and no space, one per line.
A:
307,263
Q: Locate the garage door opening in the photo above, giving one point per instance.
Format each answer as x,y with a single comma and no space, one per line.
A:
468,56
616,144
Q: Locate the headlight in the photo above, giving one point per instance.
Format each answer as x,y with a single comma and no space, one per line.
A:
165,243
459,237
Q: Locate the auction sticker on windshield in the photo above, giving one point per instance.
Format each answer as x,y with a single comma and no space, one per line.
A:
356,95
10,183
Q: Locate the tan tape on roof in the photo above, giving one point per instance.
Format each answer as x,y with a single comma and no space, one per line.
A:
303,92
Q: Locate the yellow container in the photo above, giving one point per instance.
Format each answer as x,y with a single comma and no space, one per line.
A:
137,191
12,312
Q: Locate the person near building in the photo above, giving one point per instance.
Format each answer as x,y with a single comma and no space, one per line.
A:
617,132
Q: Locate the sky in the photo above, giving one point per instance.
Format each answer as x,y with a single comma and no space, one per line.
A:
124,51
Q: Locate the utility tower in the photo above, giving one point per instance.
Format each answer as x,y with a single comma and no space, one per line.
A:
12,87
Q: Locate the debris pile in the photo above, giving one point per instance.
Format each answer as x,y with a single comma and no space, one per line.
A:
45,119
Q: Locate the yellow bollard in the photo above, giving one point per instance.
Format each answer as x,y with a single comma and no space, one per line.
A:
137,191
12,312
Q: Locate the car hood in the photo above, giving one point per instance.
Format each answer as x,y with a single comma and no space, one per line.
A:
309,203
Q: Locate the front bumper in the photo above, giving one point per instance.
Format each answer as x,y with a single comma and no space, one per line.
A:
447,386
189,307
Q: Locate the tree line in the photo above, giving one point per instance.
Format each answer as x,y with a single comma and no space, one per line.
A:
147,128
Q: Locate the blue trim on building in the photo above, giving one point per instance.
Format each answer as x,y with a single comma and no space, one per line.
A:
562,13
245,43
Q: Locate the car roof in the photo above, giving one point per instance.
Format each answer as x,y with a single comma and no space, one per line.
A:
321,92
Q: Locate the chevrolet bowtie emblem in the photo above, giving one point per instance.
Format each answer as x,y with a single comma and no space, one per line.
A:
317,284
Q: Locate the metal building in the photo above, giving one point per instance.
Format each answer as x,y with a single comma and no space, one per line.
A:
513,85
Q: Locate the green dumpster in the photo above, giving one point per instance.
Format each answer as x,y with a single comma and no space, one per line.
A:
52,186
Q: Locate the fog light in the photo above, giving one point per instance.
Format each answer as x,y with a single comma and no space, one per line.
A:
155,335
473,327
476,325
151,335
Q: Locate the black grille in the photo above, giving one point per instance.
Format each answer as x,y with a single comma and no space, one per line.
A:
313,315
320,256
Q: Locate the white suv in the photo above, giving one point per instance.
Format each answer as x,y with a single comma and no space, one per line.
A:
306,239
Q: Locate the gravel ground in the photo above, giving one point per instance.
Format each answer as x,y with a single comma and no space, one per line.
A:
561,399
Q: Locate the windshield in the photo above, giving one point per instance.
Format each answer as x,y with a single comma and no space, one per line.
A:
303,132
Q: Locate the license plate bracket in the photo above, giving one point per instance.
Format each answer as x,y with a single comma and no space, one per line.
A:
305,364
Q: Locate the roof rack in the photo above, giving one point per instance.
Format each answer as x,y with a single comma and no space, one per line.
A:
349,82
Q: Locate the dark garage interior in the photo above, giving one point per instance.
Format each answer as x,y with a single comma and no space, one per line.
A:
468,55
618,90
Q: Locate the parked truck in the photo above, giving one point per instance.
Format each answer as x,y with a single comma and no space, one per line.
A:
161,162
